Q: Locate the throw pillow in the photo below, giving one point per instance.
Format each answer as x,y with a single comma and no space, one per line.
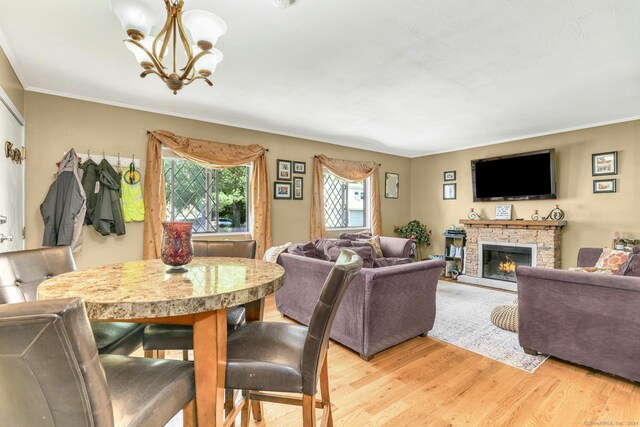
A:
631,267
356,236
386,262
612,259
374,242
367,254
272,254
323,245
308,250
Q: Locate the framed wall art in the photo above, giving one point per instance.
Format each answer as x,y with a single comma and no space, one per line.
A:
604,185
391,185
604,163
448,191
299,167
297,188
281,190
284,170
450,176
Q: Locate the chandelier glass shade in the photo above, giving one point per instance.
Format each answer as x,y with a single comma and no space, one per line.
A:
138,18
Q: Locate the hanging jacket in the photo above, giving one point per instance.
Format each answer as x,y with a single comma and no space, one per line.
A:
89,184
107,216
132,202
64,206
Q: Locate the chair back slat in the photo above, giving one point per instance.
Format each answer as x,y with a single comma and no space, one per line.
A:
317,341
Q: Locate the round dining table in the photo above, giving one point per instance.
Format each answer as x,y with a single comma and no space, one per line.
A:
143,291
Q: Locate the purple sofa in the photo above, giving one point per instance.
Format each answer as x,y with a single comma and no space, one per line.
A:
586,318
382,307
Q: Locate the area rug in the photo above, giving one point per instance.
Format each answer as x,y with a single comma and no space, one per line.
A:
463,318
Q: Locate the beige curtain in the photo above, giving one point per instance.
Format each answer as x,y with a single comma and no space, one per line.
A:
208,154
347,170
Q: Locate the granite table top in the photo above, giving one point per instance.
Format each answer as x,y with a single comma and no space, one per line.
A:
143,289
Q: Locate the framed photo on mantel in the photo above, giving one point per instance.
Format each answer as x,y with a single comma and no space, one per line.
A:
503,212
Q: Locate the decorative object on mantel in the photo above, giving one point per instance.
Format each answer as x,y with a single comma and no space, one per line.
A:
14,153
473,215
604,164
450,176
503,212
536,216
556,214
417,232
138,17
177,248
604,185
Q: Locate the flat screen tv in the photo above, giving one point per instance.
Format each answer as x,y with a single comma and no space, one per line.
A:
524,176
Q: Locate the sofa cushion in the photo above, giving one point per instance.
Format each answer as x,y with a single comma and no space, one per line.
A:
612,259
373,242
599,270
367,254
356,236
323,245
631,267
305,249
389,261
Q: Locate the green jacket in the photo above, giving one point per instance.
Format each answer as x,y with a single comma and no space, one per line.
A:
107,216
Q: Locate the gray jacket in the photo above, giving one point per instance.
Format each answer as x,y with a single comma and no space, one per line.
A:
64,206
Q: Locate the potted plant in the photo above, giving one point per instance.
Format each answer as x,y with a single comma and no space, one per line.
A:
418,233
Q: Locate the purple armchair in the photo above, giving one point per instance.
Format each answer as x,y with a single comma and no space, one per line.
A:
586,318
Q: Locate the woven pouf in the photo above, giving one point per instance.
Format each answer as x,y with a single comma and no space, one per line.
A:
505,316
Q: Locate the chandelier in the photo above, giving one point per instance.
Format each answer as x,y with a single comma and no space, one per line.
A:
138,17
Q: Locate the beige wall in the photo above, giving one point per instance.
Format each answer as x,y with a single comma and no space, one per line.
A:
10,84
591,217
56,124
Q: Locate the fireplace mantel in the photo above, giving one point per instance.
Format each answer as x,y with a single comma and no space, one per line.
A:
495,223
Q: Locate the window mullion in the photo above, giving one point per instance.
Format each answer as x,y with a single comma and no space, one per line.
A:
172,188
217,200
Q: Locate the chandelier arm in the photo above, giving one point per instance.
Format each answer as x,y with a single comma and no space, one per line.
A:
155,62
183,36
145,73
187,68
206,79
165,35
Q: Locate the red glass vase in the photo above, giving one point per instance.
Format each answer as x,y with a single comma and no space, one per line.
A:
177,249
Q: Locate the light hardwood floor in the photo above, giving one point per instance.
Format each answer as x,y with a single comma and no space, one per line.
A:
425,382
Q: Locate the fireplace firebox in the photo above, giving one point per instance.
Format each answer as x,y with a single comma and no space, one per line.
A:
499,261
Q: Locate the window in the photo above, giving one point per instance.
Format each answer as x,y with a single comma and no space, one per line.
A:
345,204
214,199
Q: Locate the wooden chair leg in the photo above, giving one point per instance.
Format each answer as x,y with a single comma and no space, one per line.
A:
154,354
189,414
185,355
229,401
324,392
256,408
308,411
245,414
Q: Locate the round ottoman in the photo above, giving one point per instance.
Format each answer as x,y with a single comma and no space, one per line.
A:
505,316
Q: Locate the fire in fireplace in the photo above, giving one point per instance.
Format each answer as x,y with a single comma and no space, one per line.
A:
499,262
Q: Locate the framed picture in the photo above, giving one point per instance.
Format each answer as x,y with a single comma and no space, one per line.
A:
503,212
391,185
299,167
604,185
297,188
281,190
604,163
284,170
450,176
448,191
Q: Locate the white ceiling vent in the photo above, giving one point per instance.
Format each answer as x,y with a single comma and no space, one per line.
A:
282,3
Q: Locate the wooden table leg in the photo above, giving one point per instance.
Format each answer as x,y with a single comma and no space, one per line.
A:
210,358
254,310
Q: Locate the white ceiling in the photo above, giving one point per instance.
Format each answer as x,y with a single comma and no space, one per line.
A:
408,77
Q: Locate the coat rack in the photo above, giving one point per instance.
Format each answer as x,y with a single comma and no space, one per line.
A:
113,160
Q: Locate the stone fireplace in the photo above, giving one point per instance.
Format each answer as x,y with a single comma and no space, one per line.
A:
494,248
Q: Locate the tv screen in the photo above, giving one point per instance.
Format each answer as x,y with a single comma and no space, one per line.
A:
516,177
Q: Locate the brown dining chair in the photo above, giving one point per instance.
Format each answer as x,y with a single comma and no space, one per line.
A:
158,338
51,374
266,357
21,272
